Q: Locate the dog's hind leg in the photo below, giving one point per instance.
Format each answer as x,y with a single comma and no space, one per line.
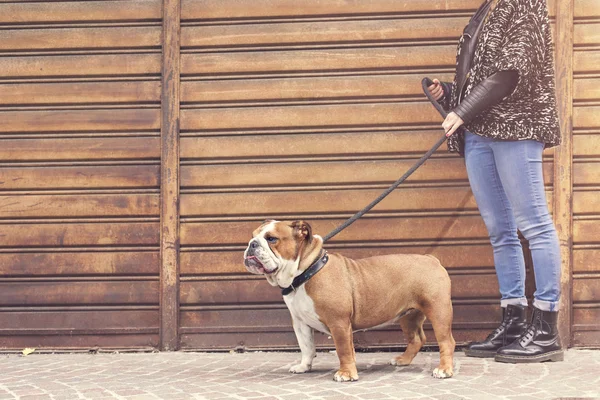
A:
412,326
441,320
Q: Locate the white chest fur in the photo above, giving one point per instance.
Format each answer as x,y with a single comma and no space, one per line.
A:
302,308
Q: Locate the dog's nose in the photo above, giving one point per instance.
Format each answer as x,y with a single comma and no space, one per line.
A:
253,245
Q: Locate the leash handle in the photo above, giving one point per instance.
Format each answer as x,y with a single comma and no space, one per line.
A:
425,83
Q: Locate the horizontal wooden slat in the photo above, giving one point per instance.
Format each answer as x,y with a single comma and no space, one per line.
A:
261,319
216,9
80,65
586,260
363,230
219,9
306,145
30,206
58,39
586,34
291,174
143,341
244,319
475,286
371,115
31,321
586,231
259,291
586,117
586,290
586,145
80,120
79,234
587,202
586,339
229,292
78,264
80,93
322,32
308,88
586,89
318,60
116,148
587,173
230,341
327,201
587,8
71,11
586,317
320,173
231,262
131,176
78,293
586,61
287,340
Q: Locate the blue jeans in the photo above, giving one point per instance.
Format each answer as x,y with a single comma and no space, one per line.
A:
507,181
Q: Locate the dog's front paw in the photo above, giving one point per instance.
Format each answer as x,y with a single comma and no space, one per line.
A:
300,368
442,373
345,376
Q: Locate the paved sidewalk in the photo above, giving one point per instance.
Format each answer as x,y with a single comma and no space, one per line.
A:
265,376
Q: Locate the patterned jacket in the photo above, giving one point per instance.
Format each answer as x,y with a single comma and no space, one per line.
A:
516,36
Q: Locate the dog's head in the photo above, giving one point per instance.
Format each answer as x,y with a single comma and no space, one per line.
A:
278,248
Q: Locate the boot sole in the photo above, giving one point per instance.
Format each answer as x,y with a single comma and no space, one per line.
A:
557,355
480,353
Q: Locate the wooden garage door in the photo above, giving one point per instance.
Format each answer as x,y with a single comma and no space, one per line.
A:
586,175
308,110
289,109
79,171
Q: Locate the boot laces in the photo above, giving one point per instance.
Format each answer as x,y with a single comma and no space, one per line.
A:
528,334
530,331
497,331
502,326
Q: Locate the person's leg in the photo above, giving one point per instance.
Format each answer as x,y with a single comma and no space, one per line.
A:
508,254
497,213
520,169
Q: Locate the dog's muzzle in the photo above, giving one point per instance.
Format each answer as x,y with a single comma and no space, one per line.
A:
253,263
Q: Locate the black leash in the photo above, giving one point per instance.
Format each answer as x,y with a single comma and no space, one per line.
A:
424,83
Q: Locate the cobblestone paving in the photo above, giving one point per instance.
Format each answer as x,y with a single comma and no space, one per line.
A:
265,376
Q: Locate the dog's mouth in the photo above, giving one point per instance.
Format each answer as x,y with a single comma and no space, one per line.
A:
254,266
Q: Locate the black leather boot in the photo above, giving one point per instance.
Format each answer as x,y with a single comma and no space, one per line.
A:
514,322
540,341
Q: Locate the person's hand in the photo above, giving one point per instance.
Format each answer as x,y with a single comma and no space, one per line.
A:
436,90
452,123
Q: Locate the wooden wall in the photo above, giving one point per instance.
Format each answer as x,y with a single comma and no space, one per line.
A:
79,171
309,110
586,174
142,141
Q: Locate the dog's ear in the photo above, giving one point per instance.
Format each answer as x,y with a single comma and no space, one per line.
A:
302,230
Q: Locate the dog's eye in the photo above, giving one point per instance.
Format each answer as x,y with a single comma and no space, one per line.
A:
272,239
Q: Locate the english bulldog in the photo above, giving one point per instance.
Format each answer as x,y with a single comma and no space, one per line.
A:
336,295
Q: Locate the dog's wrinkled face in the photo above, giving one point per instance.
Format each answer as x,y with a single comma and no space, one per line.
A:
276,246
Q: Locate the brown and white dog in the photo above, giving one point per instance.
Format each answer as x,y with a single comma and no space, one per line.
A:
349,295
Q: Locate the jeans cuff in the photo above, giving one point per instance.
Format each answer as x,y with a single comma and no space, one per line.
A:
517,301
545,305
